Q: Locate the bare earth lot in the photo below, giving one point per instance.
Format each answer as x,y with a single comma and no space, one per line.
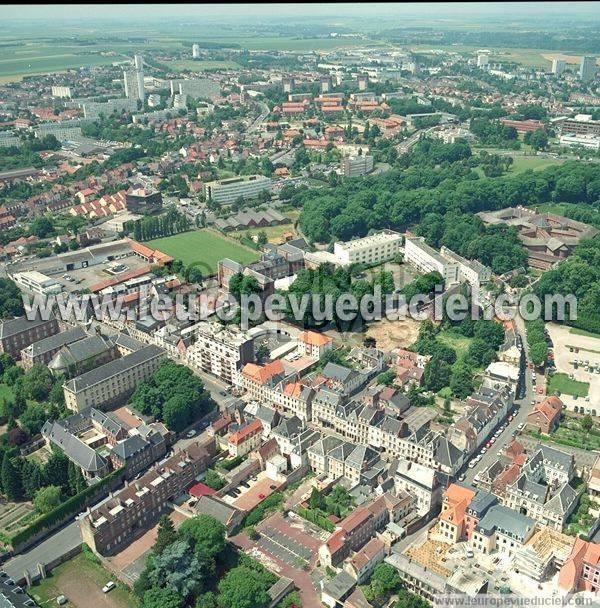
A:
394,334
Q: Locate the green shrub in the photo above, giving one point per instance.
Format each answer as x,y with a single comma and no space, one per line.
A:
71,506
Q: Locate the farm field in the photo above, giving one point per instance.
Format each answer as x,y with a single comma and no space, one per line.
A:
526,57
204,246
28,59
190,64
81,580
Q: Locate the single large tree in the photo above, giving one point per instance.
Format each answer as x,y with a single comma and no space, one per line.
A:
11,480
166,534
243,588
206,533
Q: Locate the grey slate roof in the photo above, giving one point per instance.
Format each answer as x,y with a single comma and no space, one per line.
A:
557,458
80,453
506,521
563,501
126,341
340,586
338,372
56,341
12,327
78,352
290,427
360,456
104,372
481,502
128,447
220,510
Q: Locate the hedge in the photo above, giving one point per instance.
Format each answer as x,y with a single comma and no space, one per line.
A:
68,507
261,509
230,464
316,517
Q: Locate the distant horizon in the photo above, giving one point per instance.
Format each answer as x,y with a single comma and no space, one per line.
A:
509,11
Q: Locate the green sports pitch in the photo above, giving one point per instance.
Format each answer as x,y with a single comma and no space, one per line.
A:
205,246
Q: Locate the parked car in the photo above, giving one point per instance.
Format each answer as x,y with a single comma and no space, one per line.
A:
61,600
190,434
108,587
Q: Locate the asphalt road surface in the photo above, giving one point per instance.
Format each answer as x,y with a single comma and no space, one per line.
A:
53,547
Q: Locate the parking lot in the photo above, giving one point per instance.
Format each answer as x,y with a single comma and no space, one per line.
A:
248,497
291,540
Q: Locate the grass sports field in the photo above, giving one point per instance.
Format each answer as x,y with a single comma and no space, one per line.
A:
205,246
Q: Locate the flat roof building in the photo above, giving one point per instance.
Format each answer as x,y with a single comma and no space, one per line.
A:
227,191
373,249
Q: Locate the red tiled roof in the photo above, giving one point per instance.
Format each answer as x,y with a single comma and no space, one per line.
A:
201,489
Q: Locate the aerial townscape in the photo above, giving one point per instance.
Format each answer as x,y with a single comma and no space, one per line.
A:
177,430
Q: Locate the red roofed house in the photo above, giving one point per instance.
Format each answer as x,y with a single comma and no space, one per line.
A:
452,521
364,561
256,377
314,344
360,526
246,439
582,568
545,415
86,195
201,489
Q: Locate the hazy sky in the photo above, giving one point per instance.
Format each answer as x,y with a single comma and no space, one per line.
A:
257,11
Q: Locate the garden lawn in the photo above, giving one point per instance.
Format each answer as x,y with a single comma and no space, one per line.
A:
524,163
456,341
562,383
205,247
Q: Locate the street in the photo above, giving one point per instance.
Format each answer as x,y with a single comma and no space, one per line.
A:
506,436
53,547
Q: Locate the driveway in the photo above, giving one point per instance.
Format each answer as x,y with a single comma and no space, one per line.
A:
302,579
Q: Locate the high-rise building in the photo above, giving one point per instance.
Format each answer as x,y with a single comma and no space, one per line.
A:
325,84
195,51
131,85
587,68
558,66
363,81
483,59
288,84
138,62
61,91
352,166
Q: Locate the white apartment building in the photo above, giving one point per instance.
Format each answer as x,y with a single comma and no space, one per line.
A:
473,272
36,282
61,92
221,351
558,66
92,109
419,254
195,51
591,142
374,249
420,482
354,166
227,191
196,88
